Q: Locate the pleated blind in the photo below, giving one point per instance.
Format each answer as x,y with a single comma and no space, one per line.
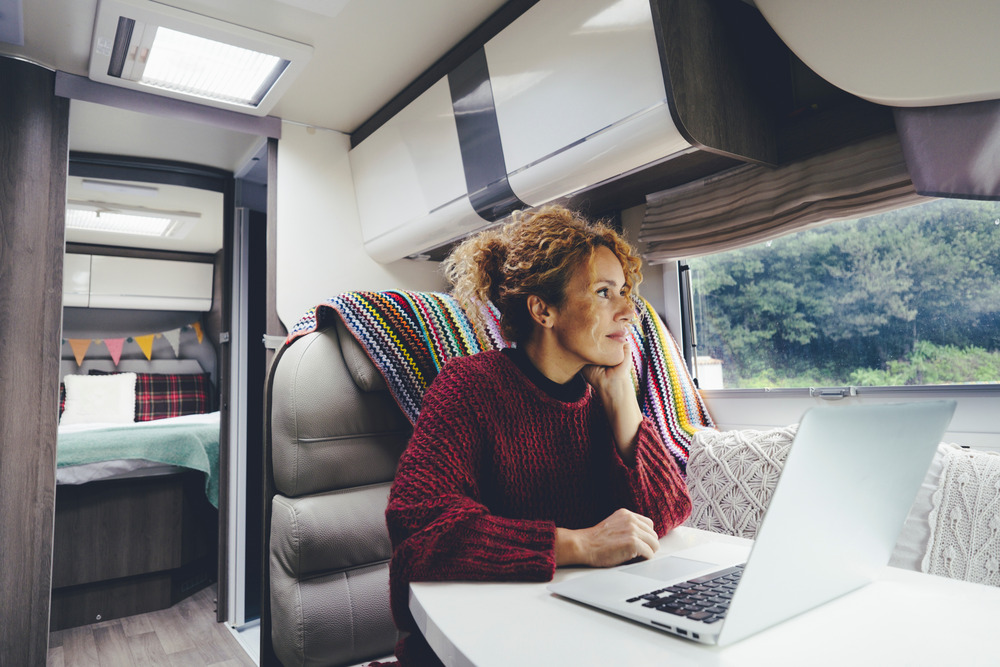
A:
752,203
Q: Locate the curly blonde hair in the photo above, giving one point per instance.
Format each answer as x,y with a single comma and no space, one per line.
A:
536,253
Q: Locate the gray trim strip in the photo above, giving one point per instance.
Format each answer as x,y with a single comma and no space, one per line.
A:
479,139
81,88
924,391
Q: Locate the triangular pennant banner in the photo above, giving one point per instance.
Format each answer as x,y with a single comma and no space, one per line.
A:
115,348
145,343
197,330
79,346
174,338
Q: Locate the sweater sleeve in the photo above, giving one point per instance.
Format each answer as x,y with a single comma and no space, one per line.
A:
653,486
438,526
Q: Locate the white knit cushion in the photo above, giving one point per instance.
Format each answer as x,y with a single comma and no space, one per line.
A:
99,399
731,476
965,518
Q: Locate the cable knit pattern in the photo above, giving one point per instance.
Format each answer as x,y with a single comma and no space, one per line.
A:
731,476
965,519
495,464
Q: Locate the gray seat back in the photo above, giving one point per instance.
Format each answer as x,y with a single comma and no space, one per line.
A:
333,437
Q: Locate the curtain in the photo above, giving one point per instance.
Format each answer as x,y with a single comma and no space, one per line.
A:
953,150
753,203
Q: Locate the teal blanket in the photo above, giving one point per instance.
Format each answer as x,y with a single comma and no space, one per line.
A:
194,446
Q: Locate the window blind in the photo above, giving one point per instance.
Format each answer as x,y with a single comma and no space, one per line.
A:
753,203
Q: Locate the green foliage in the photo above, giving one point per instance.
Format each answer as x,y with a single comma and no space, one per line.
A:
934,364
846,302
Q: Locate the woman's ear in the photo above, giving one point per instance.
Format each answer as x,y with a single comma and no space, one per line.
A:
540,311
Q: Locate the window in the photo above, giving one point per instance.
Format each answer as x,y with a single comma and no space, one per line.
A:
908,297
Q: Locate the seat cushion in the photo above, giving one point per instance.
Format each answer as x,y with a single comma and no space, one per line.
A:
329,577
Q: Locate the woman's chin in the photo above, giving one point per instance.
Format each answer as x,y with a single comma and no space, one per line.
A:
611,358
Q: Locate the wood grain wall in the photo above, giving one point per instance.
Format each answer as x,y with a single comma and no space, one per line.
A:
34,127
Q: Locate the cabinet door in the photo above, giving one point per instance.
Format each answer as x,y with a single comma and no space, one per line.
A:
150,284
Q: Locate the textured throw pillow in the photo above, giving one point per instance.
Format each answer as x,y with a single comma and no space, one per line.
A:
99,399
731,476
965,518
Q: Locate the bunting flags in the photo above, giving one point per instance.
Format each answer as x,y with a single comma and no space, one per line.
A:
81,346
114,347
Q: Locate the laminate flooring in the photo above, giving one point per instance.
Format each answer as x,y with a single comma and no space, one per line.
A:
186,634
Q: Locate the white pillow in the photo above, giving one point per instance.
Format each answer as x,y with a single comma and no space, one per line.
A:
91,399
964,521
731,476
914,538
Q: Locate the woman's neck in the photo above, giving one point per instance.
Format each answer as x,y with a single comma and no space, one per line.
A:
544,354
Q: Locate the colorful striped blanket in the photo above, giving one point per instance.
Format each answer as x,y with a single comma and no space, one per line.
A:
410,335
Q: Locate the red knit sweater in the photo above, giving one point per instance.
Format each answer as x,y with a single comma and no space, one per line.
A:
494,465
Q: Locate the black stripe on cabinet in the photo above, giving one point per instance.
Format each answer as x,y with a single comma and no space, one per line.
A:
479,139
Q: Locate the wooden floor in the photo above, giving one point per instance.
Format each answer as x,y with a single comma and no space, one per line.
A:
185,634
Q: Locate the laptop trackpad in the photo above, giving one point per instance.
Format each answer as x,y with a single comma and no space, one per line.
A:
669,568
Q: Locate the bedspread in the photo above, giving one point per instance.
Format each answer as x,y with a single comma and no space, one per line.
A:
190,442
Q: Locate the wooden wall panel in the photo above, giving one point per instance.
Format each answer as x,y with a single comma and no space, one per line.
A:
34,127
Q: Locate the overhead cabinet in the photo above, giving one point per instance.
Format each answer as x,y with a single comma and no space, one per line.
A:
566,96
565,100
102,281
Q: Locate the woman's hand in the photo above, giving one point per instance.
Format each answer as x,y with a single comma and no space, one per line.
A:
614,386
621,537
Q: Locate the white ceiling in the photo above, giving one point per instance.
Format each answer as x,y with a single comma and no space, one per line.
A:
365,52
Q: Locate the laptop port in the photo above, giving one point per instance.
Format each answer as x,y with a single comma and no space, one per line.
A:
695,635
681,631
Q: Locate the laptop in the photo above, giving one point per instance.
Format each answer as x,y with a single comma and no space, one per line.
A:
846,488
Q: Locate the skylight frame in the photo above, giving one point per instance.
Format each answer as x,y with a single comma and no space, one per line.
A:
149,15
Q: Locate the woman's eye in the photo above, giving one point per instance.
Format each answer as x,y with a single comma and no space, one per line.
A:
603,293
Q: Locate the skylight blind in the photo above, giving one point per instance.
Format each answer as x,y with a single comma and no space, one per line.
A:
121,223
197,66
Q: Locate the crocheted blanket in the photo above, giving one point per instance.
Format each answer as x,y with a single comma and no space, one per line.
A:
410,335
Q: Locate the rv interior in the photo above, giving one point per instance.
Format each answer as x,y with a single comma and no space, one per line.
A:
716,134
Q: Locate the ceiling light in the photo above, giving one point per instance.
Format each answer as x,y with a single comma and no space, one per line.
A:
148,46
103,217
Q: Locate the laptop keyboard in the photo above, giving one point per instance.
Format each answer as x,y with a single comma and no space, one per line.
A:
704,599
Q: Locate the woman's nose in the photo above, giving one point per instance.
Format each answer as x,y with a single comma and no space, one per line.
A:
626,309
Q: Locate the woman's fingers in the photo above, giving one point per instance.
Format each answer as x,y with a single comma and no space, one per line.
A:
621,537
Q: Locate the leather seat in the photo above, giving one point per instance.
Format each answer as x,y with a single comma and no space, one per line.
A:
333,438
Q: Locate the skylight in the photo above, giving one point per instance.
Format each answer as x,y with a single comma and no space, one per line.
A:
167,51
205,68
98,217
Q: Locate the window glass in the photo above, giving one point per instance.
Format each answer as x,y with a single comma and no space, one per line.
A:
908,297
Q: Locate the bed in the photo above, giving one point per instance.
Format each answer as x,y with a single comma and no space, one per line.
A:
136,501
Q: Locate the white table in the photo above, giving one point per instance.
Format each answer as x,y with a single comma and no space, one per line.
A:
924,620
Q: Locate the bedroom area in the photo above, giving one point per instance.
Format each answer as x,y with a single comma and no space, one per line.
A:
156,467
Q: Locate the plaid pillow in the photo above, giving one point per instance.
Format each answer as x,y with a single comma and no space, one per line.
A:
158,396
161,396
62,398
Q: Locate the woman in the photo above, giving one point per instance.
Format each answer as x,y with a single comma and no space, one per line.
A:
537,456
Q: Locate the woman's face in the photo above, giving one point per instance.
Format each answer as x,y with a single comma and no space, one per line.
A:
591,324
